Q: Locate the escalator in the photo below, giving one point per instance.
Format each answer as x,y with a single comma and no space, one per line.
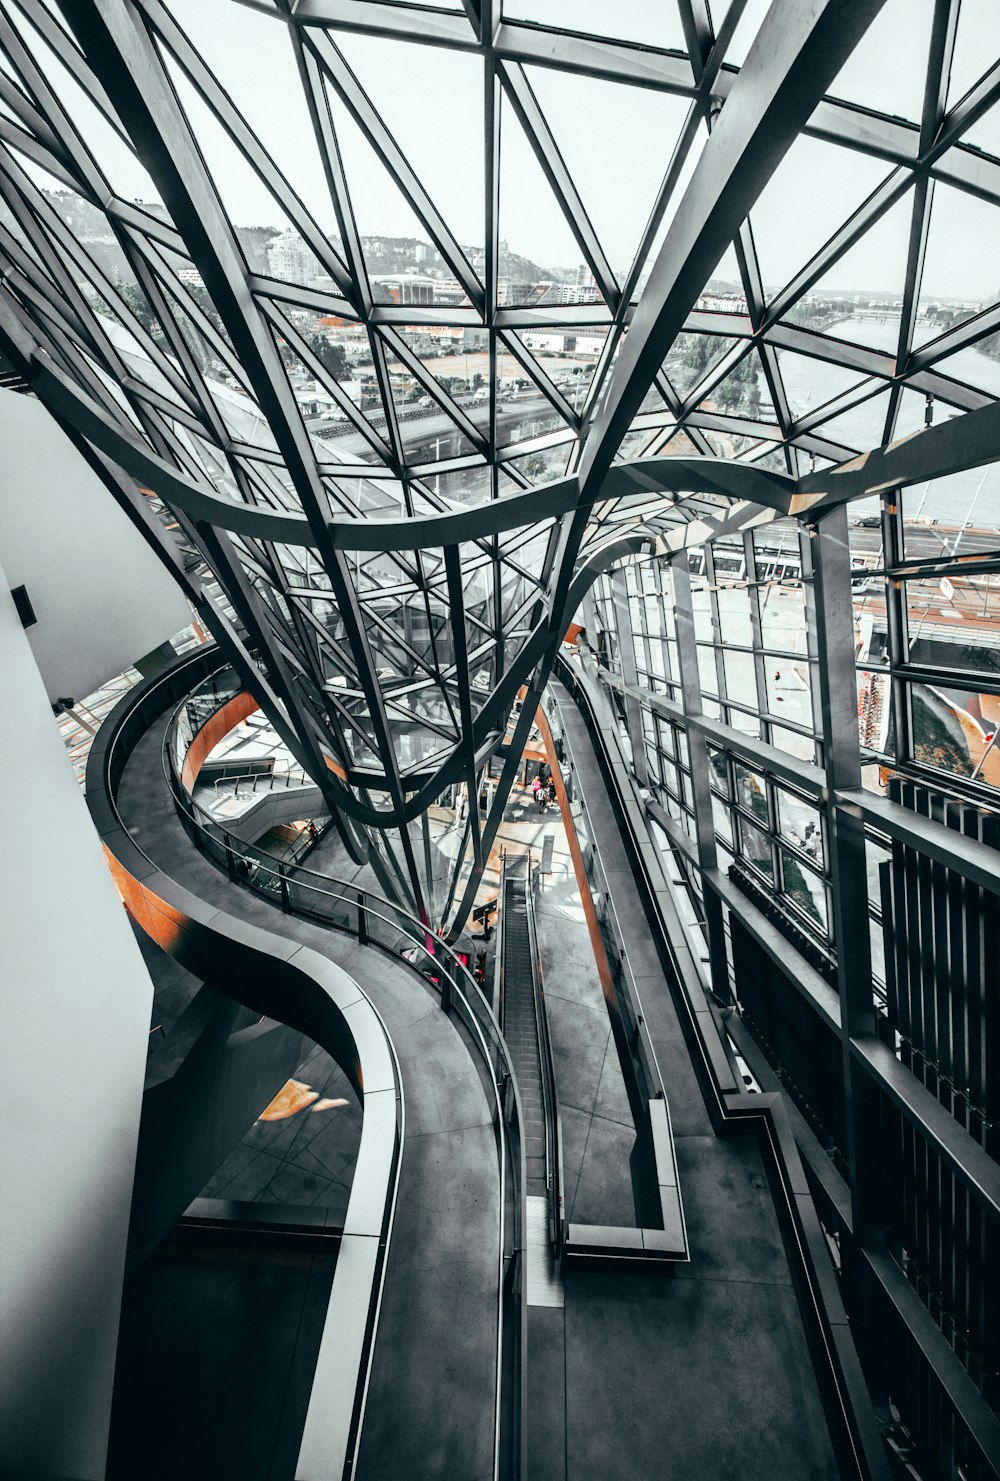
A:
522,1018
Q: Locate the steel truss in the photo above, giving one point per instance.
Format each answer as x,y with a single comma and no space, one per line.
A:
389,605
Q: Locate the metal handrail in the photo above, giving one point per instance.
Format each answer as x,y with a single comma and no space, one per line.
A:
296,888
553,1125
273,781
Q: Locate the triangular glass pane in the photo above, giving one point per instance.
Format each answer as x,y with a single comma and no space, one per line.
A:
860,428
272,241
468,486
810,383
673,205
541,465
692,357
569,357
88,225
723,293
729,444
901,31
909,415
447,160
201,347
545,358
985,132
240,55
859,299
523,411
977,45
427,434
960,261
742,392
977,366
458,360
680,446
814,190
403,263
337,438
635,444
628,20
774,460
595,124
536,244
758,450
119,164
653,402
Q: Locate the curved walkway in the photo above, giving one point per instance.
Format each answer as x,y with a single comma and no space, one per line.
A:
431,1399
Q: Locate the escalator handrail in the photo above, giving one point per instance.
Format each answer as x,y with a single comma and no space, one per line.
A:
553,1124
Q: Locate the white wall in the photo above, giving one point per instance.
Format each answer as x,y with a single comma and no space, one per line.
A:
101,596
75,1004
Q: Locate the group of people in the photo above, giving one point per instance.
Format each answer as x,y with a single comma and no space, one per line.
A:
543,788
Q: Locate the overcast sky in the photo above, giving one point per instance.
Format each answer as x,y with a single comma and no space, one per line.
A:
617,141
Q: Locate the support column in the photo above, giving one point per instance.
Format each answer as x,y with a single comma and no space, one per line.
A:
687,657
626,649
834,613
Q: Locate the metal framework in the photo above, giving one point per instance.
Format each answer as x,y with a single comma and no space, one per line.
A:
392,575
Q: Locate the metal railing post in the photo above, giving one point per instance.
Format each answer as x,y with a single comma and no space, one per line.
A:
363,935
286,903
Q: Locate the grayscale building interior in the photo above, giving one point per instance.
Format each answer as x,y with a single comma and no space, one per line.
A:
500,526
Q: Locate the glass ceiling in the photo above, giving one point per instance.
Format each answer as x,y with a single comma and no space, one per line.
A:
377,262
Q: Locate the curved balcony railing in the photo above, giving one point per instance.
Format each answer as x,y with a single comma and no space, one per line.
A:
310,995
375,921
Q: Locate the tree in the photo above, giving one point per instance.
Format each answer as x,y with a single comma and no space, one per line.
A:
138,303
696,354
330,355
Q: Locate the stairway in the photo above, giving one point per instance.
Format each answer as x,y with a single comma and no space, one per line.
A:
521,1032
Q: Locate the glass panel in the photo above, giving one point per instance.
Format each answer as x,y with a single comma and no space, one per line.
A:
874,710
859,298
901,29
755,848
799,823
805,888
788,691
734,615
630,20
813,191
741,681
955,515
953,731
750,790
954,622
723,820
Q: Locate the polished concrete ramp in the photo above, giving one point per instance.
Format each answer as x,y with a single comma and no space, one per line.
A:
430,1408
703,1371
